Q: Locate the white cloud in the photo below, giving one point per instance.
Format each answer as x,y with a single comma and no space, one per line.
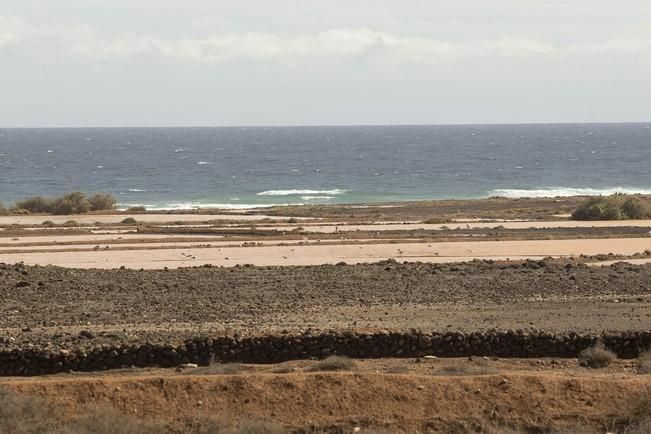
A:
82,40
6,38
86,42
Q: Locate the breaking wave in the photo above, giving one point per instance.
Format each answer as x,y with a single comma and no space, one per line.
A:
565,192
336,191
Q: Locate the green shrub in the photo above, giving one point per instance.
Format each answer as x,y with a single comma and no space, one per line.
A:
48,223
616,207
71,224
102,202
129,221
35,204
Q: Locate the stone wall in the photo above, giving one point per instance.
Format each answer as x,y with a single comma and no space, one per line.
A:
279,348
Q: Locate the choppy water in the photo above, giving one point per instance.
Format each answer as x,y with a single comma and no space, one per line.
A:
240,167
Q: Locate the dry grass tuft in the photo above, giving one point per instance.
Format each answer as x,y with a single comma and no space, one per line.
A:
102,420
462,370
398,370
22,414
596,357
219,369
333,363
256,427
644,363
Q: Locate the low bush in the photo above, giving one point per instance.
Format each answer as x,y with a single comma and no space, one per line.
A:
129,221
22,414
137,209
616,207
256,427
48,223
644,363
333,363
3,210
71,224
35,204
436,221
102,202
596,357
70,203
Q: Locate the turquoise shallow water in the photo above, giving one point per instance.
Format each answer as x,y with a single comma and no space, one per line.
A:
242,167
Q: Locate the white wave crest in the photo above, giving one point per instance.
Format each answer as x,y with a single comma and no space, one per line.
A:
565,192
136,190
336,191
317,197
194,205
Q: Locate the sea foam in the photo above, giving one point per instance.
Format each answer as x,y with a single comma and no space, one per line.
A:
336,191
564,192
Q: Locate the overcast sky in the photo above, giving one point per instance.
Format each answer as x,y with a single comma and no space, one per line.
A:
284,62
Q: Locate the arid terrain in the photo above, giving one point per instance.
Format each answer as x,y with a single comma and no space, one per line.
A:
76,286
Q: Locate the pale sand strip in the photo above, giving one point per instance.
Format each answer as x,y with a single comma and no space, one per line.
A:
104,238
323,254
470,225
199,243
636,261
117,218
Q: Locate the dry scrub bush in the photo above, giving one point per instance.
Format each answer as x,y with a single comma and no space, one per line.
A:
333,363
70,203
22,414
596,357
129,221
137,209
616,207
102,202
462,370
103,420
35,204
644,363
3,210
256,427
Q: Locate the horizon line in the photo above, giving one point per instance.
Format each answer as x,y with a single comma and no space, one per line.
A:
453,124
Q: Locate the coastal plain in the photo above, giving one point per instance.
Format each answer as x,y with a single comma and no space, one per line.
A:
82,283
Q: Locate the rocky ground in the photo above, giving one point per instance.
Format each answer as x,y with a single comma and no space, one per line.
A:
71,308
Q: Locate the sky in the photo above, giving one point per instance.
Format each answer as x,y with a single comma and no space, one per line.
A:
83,63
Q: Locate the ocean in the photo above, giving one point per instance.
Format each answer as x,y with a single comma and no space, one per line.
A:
238,167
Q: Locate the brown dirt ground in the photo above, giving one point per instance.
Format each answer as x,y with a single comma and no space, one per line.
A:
398,395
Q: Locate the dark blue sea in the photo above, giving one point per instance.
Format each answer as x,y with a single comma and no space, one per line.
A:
242,167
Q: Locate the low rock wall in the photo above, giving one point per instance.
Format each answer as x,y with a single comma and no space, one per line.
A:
279,348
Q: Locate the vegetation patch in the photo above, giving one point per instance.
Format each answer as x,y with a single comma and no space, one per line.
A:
333,363
644,363
616,207
596,357
70,203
